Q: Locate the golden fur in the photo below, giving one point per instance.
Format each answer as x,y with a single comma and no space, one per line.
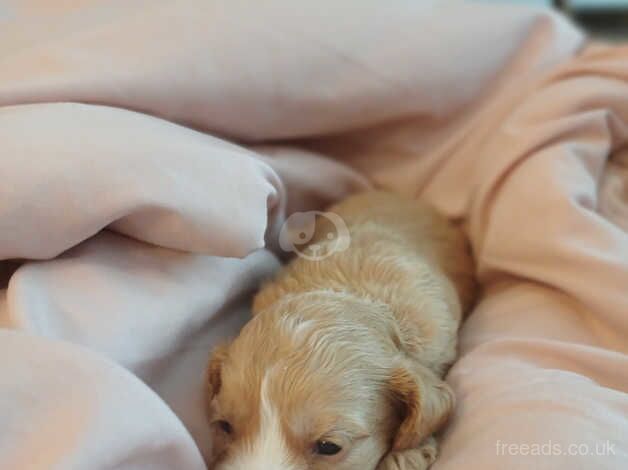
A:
350,349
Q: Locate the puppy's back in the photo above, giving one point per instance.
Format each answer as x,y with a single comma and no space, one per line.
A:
387,231
424,230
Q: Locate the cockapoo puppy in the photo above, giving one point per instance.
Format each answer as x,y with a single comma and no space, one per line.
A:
341,366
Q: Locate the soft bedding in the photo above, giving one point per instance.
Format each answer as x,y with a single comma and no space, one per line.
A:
150,151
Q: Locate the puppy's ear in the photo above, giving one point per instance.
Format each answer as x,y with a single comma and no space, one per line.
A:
214,371
424,402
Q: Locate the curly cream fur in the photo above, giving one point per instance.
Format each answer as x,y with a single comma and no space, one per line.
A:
351,348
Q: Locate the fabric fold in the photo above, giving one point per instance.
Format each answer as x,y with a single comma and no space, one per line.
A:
71,170
59,404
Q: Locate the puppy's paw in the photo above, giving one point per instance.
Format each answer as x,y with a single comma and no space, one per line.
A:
412,459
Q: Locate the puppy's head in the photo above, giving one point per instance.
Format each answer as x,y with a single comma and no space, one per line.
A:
316,381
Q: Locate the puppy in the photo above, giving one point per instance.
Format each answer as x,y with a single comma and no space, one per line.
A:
341,366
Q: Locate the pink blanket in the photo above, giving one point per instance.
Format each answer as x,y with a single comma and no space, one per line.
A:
144,237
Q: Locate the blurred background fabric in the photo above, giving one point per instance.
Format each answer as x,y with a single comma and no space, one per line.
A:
605,19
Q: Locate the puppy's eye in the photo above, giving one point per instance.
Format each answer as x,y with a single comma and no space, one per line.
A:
225,426
326,448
